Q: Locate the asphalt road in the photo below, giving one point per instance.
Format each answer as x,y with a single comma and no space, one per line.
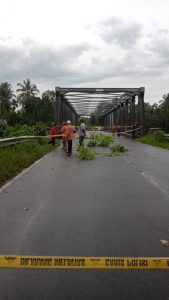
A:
111,206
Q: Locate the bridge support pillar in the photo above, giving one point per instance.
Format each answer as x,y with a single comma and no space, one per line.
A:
141,109
132,111
115,117
126,115
57,106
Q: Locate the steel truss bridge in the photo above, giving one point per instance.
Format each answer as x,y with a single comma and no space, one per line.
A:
122,106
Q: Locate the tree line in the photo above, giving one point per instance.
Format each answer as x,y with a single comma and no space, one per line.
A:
28,108
157,114
25,107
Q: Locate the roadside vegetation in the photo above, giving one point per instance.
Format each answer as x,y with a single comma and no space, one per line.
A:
86,154
100,140
104,140
92,143
25,106
118,149
7,131
13,159
157,139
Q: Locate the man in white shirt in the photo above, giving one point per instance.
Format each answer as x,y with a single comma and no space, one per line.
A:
82,132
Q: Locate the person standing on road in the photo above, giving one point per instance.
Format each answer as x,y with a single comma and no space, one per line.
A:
69,136
53,133
118,130
114,128
63,131
74,128
82,132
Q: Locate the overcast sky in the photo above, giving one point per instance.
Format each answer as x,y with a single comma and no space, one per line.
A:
86,43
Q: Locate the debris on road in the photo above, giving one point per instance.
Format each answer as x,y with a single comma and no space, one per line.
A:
165,242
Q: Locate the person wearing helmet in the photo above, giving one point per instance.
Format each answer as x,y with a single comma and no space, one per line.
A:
69,136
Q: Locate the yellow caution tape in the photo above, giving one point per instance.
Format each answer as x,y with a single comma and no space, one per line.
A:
63,135
72,262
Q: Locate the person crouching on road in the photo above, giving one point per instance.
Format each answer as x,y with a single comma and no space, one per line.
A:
53,133
69,136
63,131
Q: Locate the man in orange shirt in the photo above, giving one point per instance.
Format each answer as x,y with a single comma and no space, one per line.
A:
63,131
69,136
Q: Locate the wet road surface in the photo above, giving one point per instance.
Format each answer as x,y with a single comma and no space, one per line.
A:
111,206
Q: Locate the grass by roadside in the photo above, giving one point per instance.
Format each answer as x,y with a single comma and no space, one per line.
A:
155,139
13,159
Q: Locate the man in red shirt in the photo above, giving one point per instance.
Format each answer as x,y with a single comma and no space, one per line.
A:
54,132
114,128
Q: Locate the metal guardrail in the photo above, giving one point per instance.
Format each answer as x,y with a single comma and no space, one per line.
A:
16,140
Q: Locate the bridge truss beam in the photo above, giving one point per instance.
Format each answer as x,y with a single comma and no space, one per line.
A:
122,106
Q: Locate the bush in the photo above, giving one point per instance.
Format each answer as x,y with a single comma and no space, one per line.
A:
42,141
117,149
92,143
40,128
159,136
102,139
1,130
21,130
92,136
86,154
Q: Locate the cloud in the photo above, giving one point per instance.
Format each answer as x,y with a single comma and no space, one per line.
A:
159,46
116,30
86,64
38,61
68,65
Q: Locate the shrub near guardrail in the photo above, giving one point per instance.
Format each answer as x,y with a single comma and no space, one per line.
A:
22,130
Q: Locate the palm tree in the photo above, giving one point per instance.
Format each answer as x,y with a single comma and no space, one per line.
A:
6,97
27,92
